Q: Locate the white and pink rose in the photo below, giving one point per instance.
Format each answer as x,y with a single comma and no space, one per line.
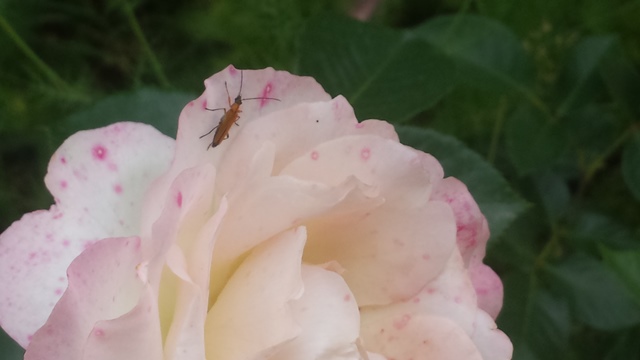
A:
305,235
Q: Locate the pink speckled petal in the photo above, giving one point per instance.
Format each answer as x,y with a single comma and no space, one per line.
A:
252,317
133,336
418,337
404,176
196,121
98,178
492,343
488,287
294,132
297,200
473,230
472,236
451,295
386,263
329,318
106,288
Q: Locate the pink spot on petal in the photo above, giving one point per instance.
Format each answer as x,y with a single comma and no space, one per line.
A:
399,324
66,243
117,188
112,166
347,297
265,94
365,154
204,104
99,152
179,199
58,291
359,125
98,332
232,70
63,160
426,257
63,184
314,155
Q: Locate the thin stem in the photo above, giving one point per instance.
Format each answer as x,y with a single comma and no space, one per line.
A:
596,164
137,31
497,129
31,55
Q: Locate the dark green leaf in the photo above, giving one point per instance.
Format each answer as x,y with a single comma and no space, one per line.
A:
533,142
538,323
582,69
385,74
154,107
589,230
627,265
9,350
554,194
623,81
631,165
598,297
487,54
491,191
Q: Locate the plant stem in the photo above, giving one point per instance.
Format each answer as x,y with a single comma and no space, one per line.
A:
497,129
596,164
137,31
49,73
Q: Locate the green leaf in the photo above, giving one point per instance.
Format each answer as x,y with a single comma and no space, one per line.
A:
385,74
9,350
598,297
491,191
533,142
627,265
554,194
538,323
589,230
488,55
155,107
581,70
623,81
631,165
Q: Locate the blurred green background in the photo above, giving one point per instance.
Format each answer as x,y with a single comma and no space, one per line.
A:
534,104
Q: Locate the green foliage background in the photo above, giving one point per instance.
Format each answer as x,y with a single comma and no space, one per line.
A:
534,104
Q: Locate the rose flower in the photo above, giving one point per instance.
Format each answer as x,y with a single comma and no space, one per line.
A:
304,234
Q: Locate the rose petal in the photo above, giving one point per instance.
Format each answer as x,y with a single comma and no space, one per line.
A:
185,340
404,176
294,132
329,318
104,284
97,178
418,337
252,315
196,121
386,263
451,295
133,336
473,230
492,343
489,288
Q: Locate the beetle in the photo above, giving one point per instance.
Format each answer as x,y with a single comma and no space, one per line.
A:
230,116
